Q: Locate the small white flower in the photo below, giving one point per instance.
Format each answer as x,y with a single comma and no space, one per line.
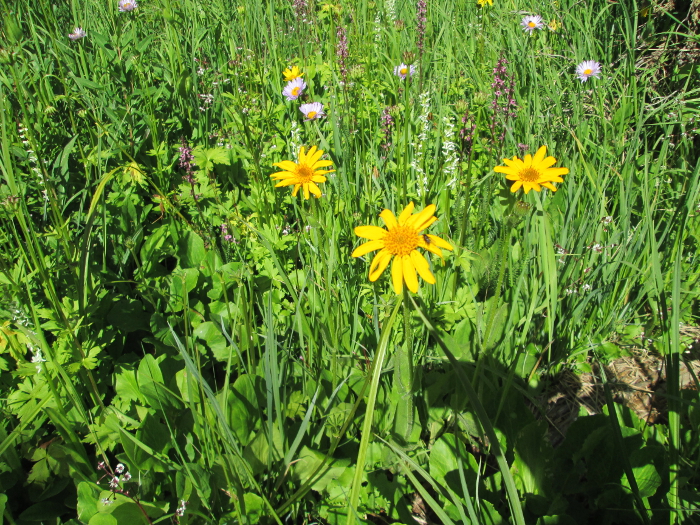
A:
312,111
294,88
127,5
588,69
402,71
106,501
77,34
114,482
532,22
586,287
126,477
119,469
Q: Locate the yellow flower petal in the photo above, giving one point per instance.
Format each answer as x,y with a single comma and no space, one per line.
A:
427,223
397,274
434,239
313,158
286,182
314,189
419,218
389,219
422,267
379,264
539,156
364,249
556,171
503,169
409,273
406,213
373,233
286,165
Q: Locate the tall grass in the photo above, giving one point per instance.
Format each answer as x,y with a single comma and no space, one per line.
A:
214,334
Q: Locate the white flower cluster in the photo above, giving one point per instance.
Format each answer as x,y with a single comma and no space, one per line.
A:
19,317
33,160
181,508
424,101
377,28
449,151
390,6
295,136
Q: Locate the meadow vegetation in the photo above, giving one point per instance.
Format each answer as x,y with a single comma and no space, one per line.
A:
349,261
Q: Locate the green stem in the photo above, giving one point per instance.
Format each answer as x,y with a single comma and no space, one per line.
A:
369,416
403,375
502,263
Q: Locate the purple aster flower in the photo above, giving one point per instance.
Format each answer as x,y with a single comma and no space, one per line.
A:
532,22
402,71
77,34
127,5
312,111
588,69
294,88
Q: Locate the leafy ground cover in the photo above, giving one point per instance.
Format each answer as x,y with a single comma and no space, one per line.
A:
345,262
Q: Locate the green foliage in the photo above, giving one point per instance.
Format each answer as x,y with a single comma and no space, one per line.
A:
165,308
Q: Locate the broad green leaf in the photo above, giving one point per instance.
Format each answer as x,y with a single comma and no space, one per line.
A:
532,456
125,511
190,250
308,462
150,380
645,473
215,340
254,507
243,408
104,519
87,500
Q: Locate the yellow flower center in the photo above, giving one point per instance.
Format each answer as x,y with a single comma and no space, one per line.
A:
529,175
295,91
401,240
587,71
311,114
403,70
531,24
304,173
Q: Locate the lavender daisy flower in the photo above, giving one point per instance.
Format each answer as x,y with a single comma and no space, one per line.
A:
403,71
312,111
77,34
532,22
127,5
294,88
588,69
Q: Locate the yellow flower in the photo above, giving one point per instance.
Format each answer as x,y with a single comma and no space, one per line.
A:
400,240
305,173
532,172
554,25
291,74
483,3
